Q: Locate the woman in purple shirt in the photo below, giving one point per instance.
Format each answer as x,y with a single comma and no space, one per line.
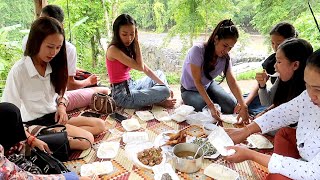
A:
203,63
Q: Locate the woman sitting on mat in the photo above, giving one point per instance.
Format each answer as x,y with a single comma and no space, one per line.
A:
296,151
13,141
124,54
206,61
36,85
291,57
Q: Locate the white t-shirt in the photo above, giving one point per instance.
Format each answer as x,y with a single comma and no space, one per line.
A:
32,93
303,111
71,55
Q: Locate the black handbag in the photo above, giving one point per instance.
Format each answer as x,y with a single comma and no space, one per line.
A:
47,163
57,141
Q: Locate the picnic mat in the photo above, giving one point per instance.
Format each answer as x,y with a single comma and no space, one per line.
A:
125,169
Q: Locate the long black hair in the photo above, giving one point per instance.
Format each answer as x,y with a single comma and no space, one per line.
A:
224,30
123,19
295,50
314,60
285,30
40,29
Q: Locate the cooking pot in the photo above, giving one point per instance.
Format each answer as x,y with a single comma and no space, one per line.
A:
187,164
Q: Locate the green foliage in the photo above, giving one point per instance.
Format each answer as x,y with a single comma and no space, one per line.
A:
271,12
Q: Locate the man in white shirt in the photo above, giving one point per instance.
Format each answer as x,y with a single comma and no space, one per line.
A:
78,95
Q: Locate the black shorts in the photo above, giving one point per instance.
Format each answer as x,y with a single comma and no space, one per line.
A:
46,120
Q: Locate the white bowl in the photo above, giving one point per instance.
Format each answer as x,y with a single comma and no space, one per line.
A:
140,164
108,150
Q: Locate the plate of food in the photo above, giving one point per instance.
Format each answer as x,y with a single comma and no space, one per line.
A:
96,168
131,124
229,118
259,141
145,115
108,150
163,140
164,172
220,172
208,149
147,158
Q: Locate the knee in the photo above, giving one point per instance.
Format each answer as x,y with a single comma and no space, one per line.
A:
282,133
165,91
9,110
227,109
84,142
103,90
197,104
99,126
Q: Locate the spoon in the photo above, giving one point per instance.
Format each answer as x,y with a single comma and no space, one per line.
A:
276,74
195,155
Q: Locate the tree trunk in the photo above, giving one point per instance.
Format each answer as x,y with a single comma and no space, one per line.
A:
93,51
39,4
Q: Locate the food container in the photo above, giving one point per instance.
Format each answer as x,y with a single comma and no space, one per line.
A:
184,164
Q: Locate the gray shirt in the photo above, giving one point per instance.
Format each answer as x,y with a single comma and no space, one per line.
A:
195,56
266,96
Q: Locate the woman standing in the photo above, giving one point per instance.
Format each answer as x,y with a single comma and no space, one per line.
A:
203,63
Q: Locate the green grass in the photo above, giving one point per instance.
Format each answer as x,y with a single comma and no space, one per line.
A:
248,75
172,77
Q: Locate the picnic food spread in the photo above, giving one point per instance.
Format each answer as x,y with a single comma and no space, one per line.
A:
151,156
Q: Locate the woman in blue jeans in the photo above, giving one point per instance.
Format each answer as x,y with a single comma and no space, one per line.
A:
124,54
206,61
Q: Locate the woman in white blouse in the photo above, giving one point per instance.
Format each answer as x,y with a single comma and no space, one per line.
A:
36,84
296,151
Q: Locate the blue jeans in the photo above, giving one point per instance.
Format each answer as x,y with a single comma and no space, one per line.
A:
255,106
141,93
216,93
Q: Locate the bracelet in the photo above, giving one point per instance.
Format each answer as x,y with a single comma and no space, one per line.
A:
260,87
33,138
62,103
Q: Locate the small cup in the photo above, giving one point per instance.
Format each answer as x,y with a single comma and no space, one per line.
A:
209,127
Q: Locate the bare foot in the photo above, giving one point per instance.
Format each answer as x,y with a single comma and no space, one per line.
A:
168,103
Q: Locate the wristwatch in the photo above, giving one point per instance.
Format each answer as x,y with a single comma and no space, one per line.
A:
260,87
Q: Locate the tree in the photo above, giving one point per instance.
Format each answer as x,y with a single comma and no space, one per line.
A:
88,25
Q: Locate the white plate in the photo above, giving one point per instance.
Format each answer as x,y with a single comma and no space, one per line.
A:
220,172
213,156
96,168
162,139
229,118
145,115
161,169
108,150
135,137
162,116
131,124
259,141
140,164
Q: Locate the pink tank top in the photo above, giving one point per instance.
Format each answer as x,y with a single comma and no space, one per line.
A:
117,71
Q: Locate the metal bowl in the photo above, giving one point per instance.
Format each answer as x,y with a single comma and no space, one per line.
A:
187,165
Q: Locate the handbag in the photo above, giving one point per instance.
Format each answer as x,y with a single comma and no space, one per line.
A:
102,103
57,141
47,163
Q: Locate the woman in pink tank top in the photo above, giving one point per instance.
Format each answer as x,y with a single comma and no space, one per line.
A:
124,54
